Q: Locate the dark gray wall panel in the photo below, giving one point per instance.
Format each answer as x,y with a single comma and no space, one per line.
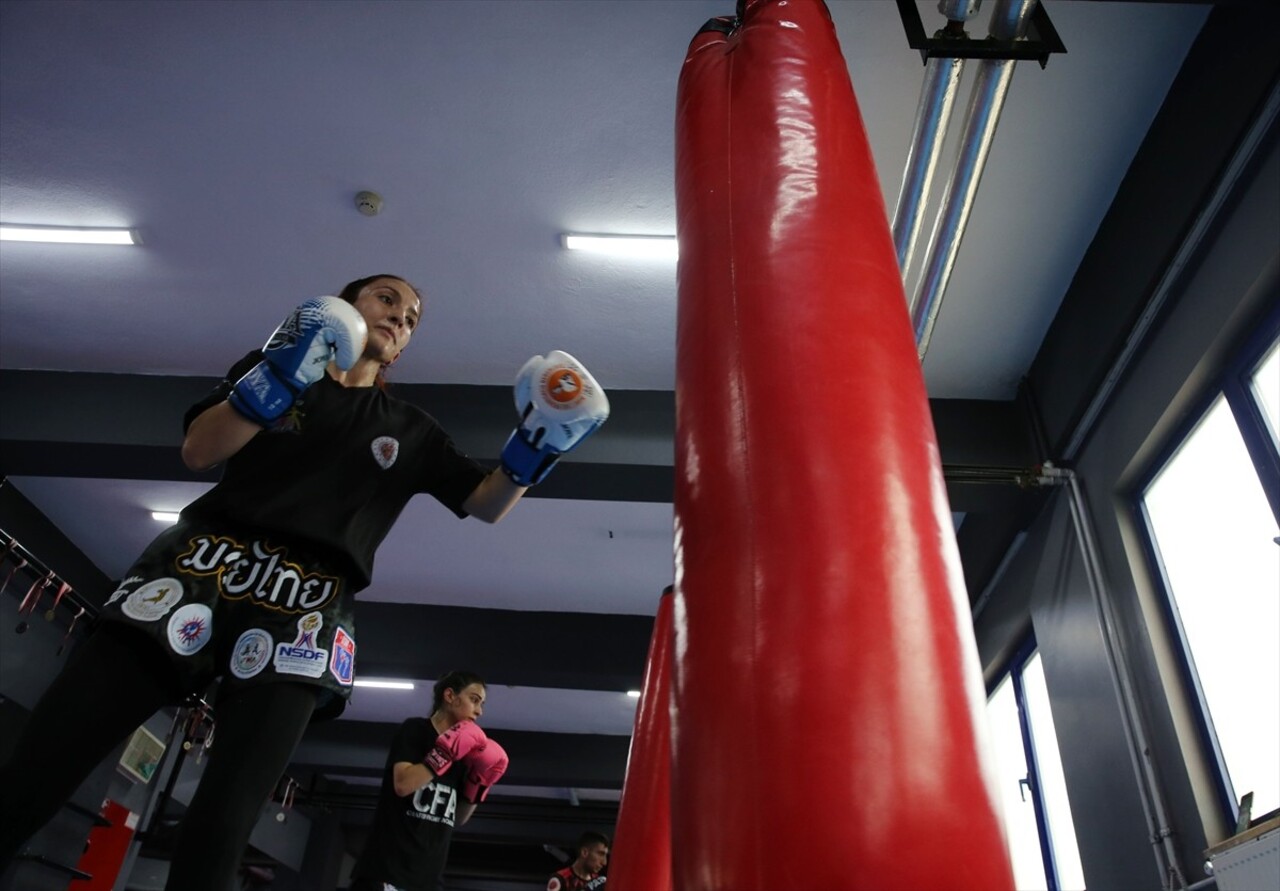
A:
1106,808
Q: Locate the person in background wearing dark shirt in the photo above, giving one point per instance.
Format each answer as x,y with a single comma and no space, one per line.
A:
583,874
438,769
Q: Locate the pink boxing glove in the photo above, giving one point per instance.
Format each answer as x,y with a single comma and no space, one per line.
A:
457,742
485,767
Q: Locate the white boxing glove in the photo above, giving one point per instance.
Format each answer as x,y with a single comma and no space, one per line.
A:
321,330
560,405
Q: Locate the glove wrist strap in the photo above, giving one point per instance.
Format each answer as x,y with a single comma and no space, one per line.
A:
436,763
261,396
525,464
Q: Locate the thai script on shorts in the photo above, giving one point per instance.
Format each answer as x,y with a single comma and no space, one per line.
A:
258,572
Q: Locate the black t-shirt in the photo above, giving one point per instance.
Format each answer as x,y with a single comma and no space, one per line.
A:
353,457
409,840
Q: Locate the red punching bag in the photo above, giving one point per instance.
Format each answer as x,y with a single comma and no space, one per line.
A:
640,859
827,713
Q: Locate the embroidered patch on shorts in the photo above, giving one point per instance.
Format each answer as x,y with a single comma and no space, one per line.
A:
303,656
190,628
385,451
343,664
251,652
123,589
153,600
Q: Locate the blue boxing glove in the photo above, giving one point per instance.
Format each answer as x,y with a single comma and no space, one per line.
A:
321,330
560,405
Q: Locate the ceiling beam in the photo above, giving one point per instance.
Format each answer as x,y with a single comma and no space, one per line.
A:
128,426
577,651
576,760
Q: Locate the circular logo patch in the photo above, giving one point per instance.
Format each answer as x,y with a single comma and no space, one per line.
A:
563,385
251,653
190,628
152,600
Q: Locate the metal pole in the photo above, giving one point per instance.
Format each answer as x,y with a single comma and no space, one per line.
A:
937,99
933,114
1008,22
1153,804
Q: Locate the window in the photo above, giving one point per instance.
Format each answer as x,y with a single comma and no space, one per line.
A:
1265,384
1211,511
1042,836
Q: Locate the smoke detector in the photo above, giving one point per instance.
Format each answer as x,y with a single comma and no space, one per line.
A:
368,203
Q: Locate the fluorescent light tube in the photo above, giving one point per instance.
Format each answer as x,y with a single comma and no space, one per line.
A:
164,516
662,246
386,685
634,694
67,235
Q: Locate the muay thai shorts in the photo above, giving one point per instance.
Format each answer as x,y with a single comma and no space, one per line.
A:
244,608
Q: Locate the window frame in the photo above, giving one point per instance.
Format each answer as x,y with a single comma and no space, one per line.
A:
1232,382
1249,415
1012,669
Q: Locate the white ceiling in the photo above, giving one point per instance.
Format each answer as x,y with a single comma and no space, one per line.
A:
235,136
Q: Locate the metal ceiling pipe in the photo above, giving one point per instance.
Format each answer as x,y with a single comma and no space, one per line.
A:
937,99
933,114
1008,22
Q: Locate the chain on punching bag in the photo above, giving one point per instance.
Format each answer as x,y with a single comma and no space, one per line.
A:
827,703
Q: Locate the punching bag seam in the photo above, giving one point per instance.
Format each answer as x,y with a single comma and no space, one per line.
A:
736,37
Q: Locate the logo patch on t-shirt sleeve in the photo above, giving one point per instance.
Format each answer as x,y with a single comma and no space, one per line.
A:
385,451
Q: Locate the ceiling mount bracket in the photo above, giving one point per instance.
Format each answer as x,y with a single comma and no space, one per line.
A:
1042,40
